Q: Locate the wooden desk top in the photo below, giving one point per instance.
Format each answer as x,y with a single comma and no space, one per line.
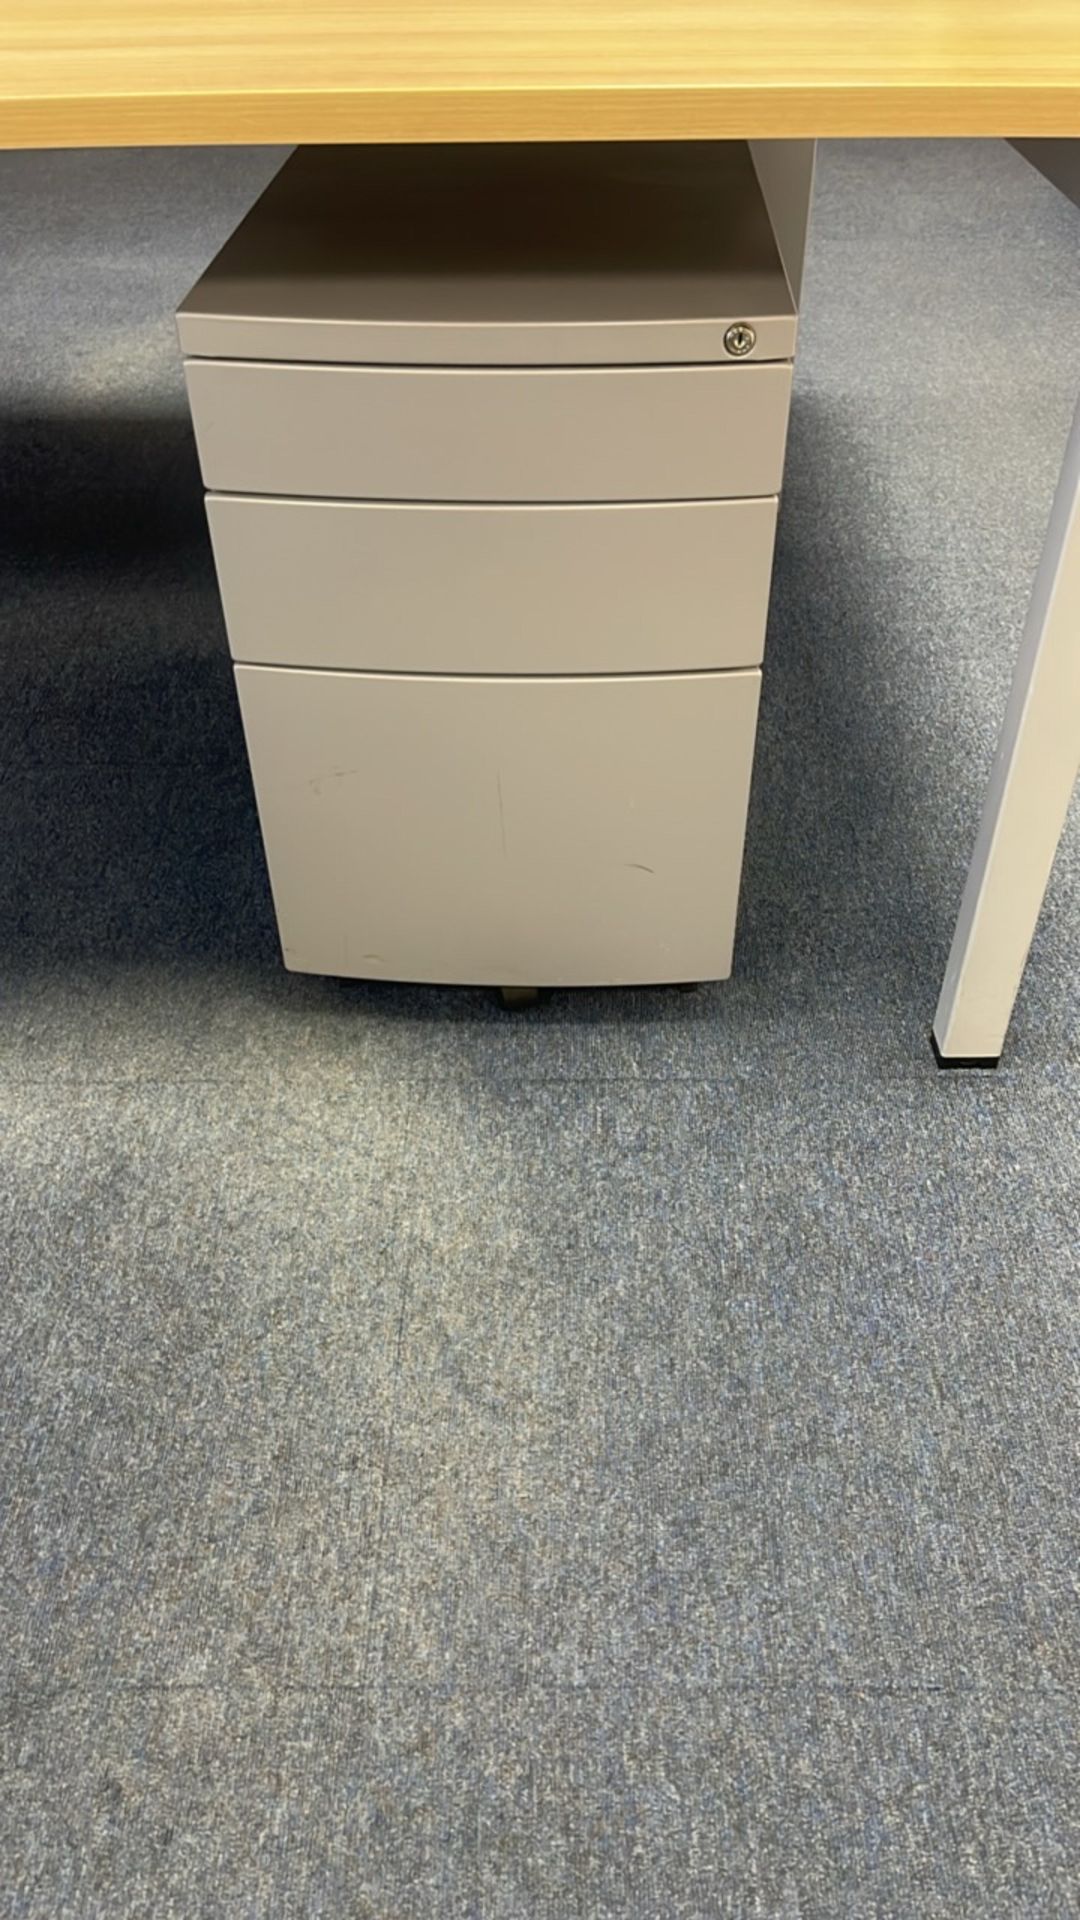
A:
158,72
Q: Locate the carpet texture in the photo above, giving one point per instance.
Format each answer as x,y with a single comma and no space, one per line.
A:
619,1461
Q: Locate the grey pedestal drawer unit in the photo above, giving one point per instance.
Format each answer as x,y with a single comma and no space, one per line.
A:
493,439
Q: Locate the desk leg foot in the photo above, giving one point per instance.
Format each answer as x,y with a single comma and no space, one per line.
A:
1030,787
948,1060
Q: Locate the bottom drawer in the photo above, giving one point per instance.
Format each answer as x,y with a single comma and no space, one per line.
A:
508,831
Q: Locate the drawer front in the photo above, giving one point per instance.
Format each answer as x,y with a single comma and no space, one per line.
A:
455,433
469,589
545,832
536,254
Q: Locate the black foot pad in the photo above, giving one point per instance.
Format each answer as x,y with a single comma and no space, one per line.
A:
515,999
948,1060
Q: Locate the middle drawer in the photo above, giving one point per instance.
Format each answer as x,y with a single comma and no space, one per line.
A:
491,433
679,586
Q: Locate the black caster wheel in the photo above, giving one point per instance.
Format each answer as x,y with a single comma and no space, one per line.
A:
687,986
514,999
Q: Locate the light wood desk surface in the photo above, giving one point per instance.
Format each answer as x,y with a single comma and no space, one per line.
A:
133,72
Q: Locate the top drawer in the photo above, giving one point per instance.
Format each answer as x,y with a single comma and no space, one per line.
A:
516,434
626,253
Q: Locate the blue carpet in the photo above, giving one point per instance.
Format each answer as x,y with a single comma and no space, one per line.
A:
618,1461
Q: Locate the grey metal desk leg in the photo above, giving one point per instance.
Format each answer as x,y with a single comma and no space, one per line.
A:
1037,762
